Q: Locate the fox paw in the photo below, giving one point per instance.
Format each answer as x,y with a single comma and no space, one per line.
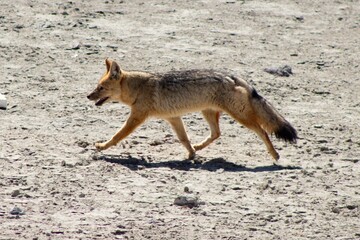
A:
101,146
191,155
198,147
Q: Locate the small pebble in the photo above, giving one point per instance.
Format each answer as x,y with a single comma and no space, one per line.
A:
284,71
17,211
336,210
3,102
15,193
187,201
299,18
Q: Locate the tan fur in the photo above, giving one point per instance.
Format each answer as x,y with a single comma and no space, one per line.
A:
170,95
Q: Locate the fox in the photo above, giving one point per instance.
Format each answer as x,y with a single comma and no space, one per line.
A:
172,94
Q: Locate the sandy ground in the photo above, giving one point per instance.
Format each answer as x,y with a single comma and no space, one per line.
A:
53,184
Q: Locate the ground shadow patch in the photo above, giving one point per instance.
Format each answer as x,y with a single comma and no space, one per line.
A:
212,165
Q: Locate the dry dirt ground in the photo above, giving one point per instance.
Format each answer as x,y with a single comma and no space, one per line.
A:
54,185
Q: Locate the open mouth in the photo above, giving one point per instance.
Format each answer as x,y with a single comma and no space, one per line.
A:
101,101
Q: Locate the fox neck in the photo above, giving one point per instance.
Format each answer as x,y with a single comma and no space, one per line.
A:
130,85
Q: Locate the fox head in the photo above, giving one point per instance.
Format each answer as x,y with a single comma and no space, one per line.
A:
109,87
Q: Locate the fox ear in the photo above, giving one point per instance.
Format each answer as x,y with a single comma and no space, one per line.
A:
115,70
108,64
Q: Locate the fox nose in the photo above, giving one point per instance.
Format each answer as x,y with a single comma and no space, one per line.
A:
88,96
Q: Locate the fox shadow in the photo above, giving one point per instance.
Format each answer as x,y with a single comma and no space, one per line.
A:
211,165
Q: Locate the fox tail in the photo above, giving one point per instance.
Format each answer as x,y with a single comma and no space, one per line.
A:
271,120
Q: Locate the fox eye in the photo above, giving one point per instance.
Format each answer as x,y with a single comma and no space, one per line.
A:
101,88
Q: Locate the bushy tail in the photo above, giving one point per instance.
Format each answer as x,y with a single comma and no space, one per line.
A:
271,120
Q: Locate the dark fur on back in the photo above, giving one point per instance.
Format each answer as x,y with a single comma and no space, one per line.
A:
191,79
287,133
194,75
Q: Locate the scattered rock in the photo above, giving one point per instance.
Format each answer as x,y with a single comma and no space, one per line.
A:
3,102
324,149
75,46
336,210
17,211
350,160
187,201
299,18
18,27
321,92
82,144
113,47
119,232
156,143
67,164
266,185
352,206
284,71
15,193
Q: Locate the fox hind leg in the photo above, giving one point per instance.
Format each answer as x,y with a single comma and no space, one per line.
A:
264,136
178,126
212,117
253,125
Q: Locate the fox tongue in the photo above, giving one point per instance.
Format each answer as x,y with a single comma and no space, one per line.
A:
101,101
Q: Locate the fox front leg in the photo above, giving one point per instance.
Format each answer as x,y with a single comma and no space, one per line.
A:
129,126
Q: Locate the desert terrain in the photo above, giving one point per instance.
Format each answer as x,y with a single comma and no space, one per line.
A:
55,185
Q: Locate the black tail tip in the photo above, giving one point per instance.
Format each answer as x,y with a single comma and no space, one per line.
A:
287,133
255,94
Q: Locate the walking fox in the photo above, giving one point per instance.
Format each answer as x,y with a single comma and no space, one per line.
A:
172,94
